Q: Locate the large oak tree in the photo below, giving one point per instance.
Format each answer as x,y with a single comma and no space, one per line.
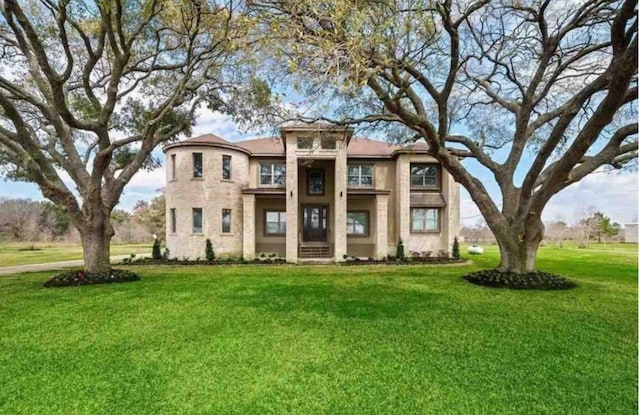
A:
538,93
88,89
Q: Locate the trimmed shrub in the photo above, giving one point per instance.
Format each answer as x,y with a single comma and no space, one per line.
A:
72,278
210,255
155,251
530,281
455,249
400,250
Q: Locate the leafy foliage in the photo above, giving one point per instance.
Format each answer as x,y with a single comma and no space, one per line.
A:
155,252
400,250
487,81
455,249
94,88
209,254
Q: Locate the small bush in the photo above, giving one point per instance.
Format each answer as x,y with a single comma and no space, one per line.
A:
530,281
155,251
400,250
72,278
455,249
209,254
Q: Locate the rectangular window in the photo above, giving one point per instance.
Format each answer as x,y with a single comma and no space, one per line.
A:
173,167
272,174
425,220
226,220
172,219
275,222
358,223
197,220
315,182
425,176
328,143
226,167
305,142
197,164
360,175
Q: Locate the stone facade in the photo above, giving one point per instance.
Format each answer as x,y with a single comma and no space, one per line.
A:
306,151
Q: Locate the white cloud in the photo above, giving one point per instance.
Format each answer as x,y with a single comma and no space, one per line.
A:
210,122
615,194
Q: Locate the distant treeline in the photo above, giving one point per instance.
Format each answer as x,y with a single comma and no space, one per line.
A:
29,221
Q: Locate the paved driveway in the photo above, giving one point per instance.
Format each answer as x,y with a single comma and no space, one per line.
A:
17,269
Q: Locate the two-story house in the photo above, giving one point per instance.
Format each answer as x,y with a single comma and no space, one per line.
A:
314,192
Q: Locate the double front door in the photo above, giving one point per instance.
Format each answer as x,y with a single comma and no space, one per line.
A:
314,223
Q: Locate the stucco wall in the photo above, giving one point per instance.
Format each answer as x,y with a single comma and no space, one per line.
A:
268,243
210,193
213,194
449,215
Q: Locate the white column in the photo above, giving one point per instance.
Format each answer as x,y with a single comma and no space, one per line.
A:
382,206
340,203
249,226
292,208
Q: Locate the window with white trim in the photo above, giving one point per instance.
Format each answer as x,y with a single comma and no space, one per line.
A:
425,220
273,174
425,176
275,222
358,223
360,175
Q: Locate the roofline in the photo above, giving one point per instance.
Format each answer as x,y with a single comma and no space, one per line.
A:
231,146
205,144
312,127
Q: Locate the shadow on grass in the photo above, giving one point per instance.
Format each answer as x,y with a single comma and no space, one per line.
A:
360,301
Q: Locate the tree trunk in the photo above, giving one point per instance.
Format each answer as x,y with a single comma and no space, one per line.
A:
96,244
519,246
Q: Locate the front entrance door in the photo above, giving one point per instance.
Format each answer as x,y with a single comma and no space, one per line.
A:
314,223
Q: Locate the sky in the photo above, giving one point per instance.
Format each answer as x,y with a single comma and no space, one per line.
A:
615,194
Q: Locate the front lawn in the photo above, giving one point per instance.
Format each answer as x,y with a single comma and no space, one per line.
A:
324,340
17,253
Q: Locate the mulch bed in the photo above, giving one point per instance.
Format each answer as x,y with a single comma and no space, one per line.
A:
530,281
75,277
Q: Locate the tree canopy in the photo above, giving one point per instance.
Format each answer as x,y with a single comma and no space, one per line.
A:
88,89
539,94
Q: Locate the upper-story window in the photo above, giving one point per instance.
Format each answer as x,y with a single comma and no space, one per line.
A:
273,174
328,143
173,167
315,181
197,164
226,167
360,175
305,142
425,176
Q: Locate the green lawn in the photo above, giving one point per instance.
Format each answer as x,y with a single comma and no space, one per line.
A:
325,340
14,253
